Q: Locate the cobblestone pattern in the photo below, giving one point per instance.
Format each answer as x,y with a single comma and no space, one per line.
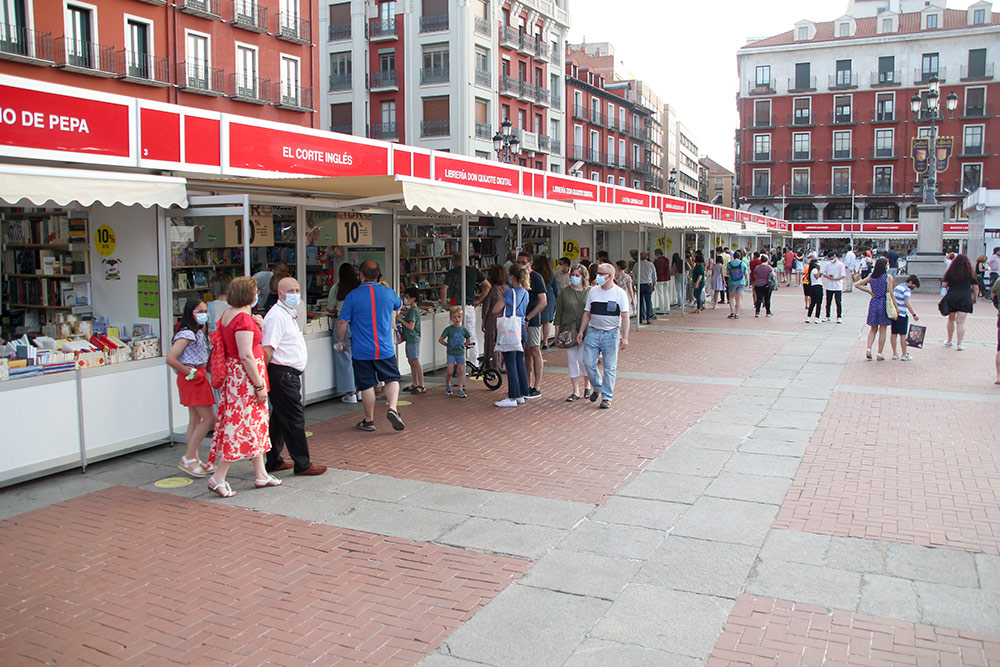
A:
123,576
765,631
896,469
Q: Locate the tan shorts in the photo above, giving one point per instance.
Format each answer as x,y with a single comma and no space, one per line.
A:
534,337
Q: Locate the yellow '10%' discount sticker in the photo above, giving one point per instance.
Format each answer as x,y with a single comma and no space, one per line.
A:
104,241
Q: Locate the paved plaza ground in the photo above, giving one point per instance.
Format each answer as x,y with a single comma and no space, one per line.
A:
758,494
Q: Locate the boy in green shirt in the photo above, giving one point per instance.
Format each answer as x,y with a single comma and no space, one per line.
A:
409,322
456,338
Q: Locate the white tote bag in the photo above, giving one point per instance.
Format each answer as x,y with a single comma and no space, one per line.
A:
509,330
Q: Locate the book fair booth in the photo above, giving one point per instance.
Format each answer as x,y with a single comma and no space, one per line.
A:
115,210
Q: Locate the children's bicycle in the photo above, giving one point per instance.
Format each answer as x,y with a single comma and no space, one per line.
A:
476,370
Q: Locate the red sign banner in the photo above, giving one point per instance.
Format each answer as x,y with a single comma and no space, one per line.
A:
487,176
267,149
48,121
674,205
630,198
703,209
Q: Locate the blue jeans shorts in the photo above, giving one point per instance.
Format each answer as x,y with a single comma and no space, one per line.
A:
369,372
456,359
413,350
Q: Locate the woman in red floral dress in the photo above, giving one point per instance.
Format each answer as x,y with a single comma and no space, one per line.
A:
241,430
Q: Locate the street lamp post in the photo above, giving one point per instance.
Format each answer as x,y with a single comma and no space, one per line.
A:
506,145
673,182
933,114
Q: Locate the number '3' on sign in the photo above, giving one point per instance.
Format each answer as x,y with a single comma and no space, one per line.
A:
354,231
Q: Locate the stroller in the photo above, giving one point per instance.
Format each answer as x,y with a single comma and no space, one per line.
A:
476,370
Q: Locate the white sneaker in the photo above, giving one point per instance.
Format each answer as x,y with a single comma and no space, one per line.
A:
826,319
960,348
808,320
520,400
350,398
840,321
506,403
905,357
816,320
947,343
895,357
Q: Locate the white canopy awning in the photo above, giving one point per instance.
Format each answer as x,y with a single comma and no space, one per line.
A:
38,186
723,227
756,228
694,223
439,198
618,215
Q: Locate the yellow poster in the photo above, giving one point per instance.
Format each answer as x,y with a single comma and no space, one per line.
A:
105,241
571,249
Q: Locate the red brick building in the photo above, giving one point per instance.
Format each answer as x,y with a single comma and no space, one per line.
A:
235,56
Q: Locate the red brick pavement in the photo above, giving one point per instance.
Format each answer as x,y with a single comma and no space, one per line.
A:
900,469
765,631
123,576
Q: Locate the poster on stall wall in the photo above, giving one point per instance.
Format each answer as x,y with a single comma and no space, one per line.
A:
338,228
148,289
207,232
571,250
112,268
261,228
664,243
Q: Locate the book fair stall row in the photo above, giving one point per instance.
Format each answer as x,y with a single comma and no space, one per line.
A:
114,211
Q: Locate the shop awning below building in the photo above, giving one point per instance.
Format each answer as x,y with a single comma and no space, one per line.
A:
39,186
437,198
620,215
723,227
693,223
755,228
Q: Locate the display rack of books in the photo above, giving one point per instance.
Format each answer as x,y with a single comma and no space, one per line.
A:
46,264
535,239
483,237
425,252
201,271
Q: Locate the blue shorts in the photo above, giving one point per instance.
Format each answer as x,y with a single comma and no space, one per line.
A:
369,372
456,359
900,326
413,350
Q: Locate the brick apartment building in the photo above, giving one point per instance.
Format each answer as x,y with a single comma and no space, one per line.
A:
443,74
234,56
717,184
825,114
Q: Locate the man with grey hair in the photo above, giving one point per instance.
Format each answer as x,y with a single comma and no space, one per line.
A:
604,316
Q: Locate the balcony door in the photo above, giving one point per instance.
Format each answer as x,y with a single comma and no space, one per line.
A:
197,61
79,37
138,54
246,71
14,27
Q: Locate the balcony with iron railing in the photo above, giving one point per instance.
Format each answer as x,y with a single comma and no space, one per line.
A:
975,150
544,142
761,157
760,88
556,100
541,50
291,28
842,189
143,68
340,82
979,73
877,152
921,77
246,88
839,155
484,131
24,45
481,26
509,85
884,187
802,84
581,112
802,189
435,128
541,95
342,129
977,111
435,74
249,16
195,76
961,185
802,118
843,80
85,57
883,116
509,37
206,9
384,131
381,29
555,57
293,98
383,80
886,78
434,23
484,78
763,122
640,131
339,32
640,166
801,155
844,117
526,44
761,191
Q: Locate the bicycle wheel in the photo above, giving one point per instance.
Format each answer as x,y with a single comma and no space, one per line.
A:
492,379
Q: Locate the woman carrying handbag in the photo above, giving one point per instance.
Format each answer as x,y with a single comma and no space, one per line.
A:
880,285
512,335
568,314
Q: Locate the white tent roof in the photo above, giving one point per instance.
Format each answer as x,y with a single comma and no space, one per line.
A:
38,186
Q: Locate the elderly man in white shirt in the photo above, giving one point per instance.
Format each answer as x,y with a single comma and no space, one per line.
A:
285,351
851,265
834,274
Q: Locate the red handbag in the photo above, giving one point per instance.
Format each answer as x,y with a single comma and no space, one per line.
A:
217,358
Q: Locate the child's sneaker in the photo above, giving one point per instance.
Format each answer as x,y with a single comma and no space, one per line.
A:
905,357
895,357
461,393
447,390
520,400
506,403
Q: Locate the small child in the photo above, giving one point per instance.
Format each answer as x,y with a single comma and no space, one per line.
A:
901,325
409,320
456,338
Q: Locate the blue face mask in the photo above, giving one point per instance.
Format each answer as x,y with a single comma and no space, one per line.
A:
256,298
201,318
600,279
292,300
575,281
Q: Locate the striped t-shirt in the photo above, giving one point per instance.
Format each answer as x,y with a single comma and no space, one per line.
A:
902,293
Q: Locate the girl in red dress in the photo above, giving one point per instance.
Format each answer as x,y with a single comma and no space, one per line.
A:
241,431
188,356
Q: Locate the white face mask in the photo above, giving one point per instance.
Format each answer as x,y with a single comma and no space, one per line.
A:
600,279
201,318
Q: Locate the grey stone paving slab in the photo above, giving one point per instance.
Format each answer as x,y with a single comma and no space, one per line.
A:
799,436
603,653
448,498
942,566
653,485
657,514
965,608
534,511
766,383
197,489
698,566
989,572
686,460
726,520
796,420
919,393
730,430
582,573
761,445
800,404
127,472
733,416
889,597
767,465
380,487
613,539
792,546
331,480
316,506
709,441
53,489
251,498
824,586
526,626
797,390
503,537
441,660
775,374
685,623
856,555
755,488
412,523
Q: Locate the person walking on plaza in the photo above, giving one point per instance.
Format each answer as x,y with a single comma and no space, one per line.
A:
718,282
569,315
994,267
814,278
879,285
754,263
624,280
763,276
834,276
850,268
893,258
563,266
286,355
409,320
789,265
736,280
543,266
241,429
188,356
982,267
900,326
456,338
498,285
514,303
537,300
605,314
342,368
678,278
644,275
662,289
476,288
368,314
961,292
698,281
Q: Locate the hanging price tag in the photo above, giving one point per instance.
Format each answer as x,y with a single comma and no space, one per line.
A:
354,231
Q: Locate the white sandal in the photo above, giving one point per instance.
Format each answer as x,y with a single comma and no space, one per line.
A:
221,488
270,480
193,467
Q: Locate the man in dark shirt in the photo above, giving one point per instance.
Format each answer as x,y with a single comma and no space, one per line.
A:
893,258
662,289
476,289
537,299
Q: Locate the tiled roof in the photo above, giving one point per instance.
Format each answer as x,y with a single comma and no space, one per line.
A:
868,27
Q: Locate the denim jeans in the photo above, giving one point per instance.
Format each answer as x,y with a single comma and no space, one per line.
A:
517,374
699,296
645,302
604,343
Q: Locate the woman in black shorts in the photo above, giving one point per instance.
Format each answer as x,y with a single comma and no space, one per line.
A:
962,291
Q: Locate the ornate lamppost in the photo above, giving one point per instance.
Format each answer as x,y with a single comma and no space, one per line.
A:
506,145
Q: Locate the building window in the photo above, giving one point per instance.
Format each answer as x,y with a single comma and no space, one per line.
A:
340,71
80,47
611,115
800,181
435,64
842,109
636,183
761,147
800,146
595,175
611,179
621,153
884,143
883,180
841,181
387,127
636,152
844,73
522,118
928,66
761,182
886,69
197,61
972,140
975,101
844,29
888,25
246,71
802,114
977,64
763,76
341,118
621,181
291,93
483,76
932,21
288,17
437,117
803,33
972,176
595,146
885,106
718,183
138,51
842,144
762,113
978,17
803,80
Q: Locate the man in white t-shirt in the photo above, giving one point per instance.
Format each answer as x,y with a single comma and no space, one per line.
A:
994,263
851,265
605,314
834,273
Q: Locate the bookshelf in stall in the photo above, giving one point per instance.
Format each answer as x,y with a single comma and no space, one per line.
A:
45,263
201,271
425,252
535,239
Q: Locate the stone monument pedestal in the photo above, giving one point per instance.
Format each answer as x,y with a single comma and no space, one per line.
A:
928,263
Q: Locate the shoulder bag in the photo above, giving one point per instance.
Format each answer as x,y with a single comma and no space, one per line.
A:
217,358
891,309
509,328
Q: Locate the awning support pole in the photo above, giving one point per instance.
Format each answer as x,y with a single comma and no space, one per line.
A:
246,236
